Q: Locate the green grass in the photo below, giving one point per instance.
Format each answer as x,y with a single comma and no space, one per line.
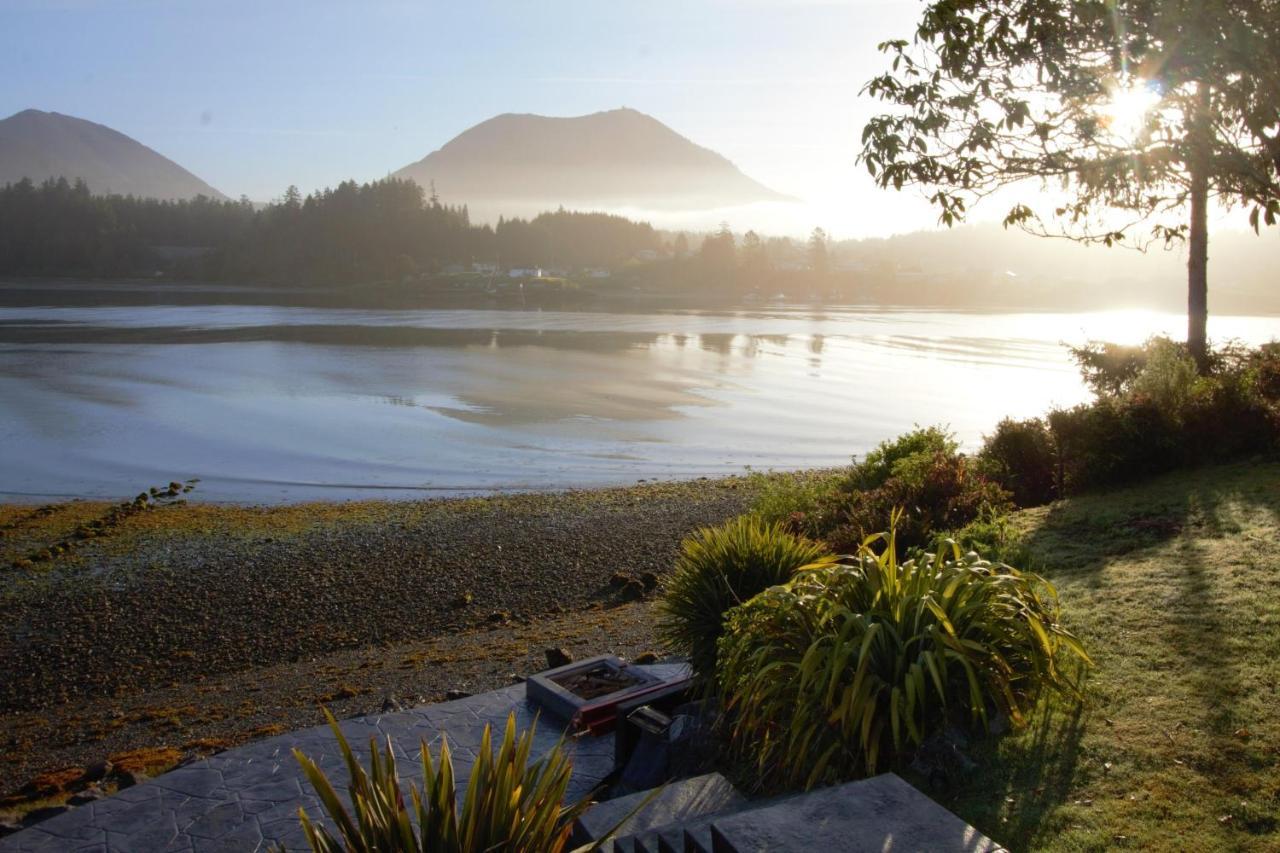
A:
1174,588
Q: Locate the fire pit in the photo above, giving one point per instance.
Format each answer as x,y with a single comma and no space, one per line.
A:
587,692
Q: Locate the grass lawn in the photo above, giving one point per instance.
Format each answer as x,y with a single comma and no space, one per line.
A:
1174,587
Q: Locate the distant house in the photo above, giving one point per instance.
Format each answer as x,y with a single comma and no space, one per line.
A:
485,268
525,272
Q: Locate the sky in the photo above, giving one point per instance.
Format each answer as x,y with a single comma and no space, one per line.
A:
254,96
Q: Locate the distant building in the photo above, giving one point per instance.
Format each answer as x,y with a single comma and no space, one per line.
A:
596,272
525,272
485,268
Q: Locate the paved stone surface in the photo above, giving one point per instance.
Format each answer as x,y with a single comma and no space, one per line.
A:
248,798
877,814
679,803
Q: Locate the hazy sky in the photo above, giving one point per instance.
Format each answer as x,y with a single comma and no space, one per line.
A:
253,96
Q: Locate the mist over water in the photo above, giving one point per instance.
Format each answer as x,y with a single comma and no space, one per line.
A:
274,403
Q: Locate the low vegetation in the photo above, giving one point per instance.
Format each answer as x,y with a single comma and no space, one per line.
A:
846,668
718,569
510,804
921,472
1160,736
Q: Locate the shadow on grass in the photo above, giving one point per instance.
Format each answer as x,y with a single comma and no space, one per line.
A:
1018,781
1160,563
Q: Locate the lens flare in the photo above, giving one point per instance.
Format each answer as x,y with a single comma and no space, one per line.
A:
1127,113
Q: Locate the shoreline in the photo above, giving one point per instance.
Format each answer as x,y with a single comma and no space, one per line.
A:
196,621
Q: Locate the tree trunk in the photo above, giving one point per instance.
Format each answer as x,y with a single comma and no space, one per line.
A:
1198,239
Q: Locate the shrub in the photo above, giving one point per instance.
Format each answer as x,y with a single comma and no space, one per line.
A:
1113,441
1109,369
510,804
898,457
936,491
718,569
1168,377
802,501
1264,364
992,534
1165,416
1020,457
839,672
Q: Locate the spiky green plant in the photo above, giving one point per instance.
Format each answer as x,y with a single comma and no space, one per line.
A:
510,805
840,671
718,569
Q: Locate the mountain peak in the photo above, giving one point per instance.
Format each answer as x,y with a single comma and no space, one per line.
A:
37,144
614,158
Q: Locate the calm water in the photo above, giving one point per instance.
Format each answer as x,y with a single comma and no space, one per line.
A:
269,404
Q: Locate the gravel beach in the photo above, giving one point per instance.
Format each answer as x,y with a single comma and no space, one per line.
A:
198,626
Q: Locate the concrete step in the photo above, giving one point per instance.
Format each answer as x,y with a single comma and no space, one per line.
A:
678,805
870,815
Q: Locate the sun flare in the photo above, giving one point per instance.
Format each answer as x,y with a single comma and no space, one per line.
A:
1127,113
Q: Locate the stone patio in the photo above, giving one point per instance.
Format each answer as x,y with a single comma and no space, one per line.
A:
248,798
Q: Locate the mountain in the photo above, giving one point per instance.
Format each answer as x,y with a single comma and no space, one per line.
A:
39,145
618,158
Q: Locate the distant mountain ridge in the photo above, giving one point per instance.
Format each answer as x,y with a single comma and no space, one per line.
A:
617,158
40,145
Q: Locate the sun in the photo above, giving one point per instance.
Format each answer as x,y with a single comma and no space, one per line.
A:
1126,113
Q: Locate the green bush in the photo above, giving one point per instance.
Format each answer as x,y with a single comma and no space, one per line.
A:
510,804
842,671
992,534
900,457
1109,369
1021,458
1264,365
936,491
718,569
1160,415
802,501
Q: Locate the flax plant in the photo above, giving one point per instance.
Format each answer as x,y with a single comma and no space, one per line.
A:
510,805
852,664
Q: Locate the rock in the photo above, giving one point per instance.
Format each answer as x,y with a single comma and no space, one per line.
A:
650,580
646,658
129,778
390,705
620,580
37,815
88,795
499,616
633,591
558,657
98,771
463,600
8,827
451,695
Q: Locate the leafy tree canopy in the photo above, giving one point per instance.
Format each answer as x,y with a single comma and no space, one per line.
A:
1146,107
